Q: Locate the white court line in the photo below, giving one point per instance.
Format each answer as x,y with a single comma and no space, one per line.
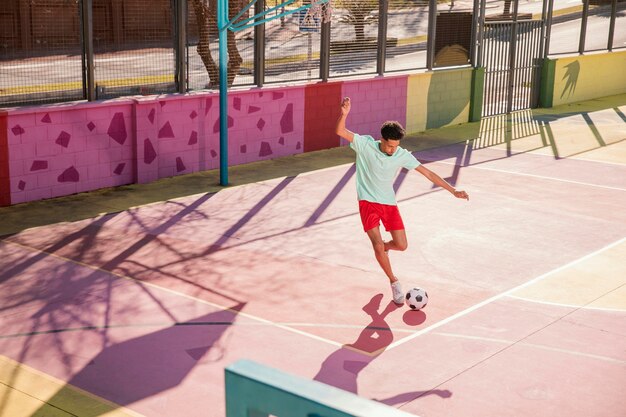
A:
584,307
499,296
533,345
533,176
180,294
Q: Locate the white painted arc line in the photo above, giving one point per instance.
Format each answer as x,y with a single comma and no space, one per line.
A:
180,294
534,176
585,307
534,345
498,296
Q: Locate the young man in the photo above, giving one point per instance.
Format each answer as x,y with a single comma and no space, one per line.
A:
377,164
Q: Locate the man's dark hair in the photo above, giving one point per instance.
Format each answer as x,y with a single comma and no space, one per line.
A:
392,130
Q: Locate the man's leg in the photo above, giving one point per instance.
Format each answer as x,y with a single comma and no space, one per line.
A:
379,251
383,260
398,241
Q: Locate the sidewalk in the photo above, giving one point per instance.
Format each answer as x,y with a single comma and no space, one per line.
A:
599,121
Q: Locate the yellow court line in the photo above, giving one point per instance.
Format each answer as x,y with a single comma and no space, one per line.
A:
25,390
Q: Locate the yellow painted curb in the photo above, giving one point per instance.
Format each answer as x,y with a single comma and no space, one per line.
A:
27,392
78,85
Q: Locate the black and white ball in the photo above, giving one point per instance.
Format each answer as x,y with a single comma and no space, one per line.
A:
416,298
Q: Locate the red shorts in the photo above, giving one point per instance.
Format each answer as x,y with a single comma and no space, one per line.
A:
373,213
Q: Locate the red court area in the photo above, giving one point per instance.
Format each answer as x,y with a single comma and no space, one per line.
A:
527,316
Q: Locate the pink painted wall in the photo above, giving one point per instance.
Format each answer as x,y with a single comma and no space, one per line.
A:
65,149
59,150
62,150
374,102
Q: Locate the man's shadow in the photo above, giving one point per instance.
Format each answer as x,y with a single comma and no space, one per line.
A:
342,367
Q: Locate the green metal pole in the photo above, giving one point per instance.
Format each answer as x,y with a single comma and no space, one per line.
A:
222,21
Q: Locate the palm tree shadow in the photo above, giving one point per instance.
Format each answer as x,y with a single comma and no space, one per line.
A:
571,78
145,366
341,368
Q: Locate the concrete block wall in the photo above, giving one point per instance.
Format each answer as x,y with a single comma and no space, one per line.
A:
57,150
373,103
583,77
438,98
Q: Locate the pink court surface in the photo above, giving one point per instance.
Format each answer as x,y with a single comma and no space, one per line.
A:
136,313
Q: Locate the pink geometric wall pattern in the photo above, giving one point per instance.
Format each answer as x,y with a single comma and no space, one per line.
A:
180,166
151,116
193,138
237,103
39,165
193,115
46,118
149,154
69,175
260,124
253,109
18,130
21,185
91,126
266,149
243,149
277,95
117,128
298,145
213,153
166,131
286,121
63,139
207,105
119,168
216,126
281,140
162,103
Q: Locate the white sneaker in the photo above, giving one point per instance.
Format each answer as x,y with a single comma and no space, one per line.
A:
397,293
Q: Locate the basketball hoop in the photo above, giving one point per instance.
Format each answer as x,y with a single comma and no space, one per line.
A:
322,11
318,9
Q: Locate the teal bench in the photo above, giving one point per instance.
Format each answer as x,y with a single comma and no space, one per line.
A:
255,390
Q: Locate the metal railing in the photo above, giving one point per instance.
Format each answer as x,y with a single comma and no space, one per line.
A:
65,50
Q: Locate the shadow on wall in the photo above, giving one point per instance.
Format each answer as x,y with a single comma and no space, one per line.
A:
572,71
445,103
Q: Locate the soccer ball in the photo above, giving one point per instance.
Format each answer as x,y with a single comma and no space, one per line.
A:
416,298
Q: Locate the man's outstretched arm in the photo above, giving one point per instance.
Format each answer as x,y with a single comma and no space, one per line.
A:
437,180
341,122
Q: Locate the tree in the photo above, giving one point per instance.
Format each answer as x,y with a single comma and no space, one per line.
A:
206,19
358,14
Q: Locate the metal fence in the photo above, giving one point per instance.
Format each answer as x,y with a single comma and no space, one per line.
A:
61,50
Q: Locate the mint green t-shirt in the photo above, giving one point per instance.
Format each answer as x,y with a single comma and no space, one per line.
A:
376,171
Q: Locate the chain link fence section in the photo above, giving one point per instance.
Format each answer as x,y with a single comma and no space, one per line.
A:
40,52
292,45
354,37
407,35
619,35
203,46
133,47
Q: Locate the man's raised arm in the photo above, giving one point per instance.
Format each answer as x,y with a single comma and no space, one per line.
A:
341,122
